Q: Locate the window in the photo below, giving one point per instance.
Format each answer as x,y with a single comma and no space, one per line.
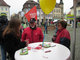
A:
54,15
58,10
54,10
28,9
36,5
79,12
59,15
5,9
28,5
2,9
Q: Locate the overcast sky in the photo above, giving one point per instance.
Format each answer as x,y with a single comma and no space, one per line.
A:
17,5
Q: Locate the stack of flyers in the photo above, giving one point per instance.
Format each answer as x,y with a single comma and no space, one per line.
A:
24,51
47,45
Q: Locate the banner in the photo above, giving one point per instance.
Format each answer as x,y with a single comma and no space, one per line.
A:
31,14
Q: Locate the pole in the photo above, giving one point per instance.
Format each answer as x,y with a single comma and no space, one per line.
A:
74,38
44,29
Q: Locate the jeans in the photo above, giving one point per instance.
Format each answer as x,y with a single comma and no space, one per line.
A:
46,31
3,53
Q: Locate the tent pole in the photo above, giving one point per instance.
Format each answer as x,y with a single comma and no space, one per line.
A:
74,37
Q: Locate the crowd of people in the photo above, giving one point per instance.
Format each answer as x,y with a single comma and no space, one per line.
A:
12,39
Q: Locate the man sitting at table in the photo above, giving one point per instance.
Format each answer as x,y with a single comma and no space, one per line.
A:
32,33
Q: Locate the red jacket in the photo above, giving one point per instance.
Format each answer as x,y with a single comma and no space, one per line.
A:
35,35
63,37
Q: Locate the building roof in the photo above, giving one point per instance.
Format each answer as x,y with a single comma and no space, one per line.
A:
3,3
57,5
32,4
61,1
78,5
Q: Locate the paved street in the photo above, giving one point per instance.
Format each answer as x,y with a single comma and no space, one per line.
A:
50,34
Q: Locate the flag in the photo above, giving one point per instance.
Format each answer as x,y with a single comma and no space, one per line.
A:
31,14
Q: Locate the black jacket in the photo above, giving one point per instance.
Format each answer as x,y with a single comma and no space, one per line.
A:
3,24
1,32
12,44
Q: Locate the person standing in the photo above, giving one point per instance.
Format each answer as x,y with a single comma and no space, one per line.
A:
24,25
3,24
45,26
32,33
11,37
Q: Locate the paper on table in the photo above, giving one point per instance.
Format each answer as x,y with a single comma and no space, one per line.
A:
24,51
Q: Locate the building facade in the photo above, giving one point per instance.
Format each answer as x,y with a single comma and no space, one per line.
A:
5,8
77,10
57,13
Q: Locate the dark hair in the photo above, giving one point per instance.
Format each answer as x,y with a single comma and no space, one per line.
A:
3,20
13,27
63,23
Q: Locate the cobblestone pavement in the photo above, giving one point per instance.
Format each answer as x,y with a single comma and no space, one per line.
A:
77,54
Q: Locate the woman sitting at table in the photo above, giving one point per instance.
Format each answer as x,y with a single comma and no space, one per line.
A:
62,35
12,37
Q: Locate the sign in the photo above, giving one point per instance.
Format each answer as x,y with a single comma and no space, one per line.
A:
70,17
31,14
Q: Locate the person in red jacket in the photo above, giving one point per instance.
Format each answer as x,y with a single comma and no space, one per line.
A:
32,33
62,35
